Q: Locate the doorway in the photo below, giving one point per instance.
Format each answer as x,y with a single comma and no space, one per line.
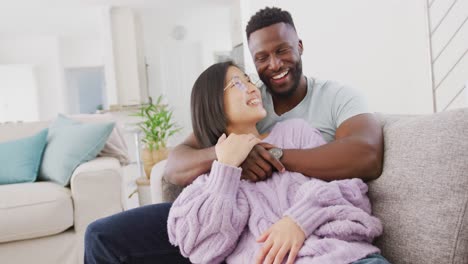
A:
85,89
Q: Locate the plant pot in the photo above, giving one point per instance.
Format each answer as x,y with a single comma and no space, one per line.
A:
150,158
144,191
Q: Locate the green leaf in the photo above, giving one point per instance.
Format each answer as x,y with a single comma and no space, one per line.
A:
156,123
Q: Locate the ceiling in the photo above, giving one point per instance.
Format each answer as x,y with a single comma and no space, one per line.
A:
79,17
128,3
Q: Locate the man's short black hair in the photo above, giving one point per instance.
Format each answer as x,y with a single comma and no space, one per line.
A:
267,17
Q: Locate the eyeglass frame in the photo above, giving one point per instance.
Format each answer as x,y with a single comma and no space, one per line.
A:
236,80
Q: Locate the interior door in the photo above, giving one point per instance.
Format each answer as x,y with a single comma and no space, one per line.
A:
179,64
85,89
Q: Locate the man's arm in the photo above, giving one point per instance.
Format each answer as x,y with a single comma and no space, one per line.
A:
187,161
357,152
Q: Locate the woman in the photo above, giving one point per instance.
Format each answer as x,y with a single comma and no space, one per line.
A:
289,217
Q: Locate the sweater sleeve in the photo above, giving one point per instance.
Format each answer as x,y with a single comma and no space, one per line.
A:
208,217
338,209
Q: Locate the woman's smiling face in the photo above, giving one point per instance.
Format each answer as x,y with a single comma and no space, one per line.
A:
242,99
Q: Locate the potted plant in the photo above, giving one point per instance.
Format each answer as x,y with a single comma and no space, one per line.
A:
157,127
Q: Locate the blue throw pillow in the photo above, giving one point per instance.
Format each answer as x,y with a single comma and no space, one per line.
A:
71,143
21,158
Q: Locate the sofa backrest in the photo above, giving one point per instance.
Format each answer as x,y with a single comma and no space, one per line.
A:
12,131
422,195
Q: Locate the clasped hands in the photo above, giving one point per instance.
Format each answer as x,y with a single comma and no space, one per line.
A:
260,163
248,152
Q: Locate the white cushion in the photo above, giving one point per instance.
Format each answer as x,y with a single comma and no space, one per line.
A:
30,210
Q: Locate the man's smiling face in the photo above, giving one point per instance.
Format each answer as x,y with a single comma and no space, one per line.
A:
277,51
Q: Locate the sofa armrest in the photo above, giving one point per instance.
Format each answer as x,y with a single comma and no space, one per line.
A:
96,188
156,182
161,190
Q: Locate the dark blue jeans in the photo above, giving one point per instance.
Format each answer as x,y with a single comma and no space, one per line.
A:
134,236
139,236
372,259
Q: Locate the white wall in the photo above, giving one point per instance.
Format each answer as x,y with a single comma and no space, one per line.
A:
18,84
51,39
47,20
41,52
209,27
78,52
378,47
173,65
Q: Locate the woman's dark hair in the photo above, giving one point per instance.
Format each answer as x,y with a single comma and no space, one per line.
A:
207,104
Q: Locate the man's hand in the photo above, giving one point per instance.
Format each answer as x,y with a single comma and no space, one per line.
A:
284,237
259,164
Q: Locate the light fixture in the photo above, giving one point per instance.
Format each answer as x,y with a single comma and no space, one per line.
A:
179,32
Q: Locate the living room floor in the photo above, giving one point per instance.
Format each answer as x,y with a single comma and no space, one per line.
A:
130,174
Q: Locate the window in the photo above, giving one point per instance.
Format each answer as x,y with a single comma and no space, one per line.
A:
18,93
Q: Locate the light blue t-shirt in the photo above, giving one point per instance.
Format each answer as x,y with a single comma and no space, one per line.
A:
326,105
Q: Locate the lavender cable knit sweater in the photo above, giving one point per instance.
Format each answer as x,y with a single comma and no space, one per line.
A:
219,216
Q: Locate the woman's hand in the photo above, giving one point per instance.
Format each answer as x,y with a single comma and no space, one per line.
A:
284,237
234,149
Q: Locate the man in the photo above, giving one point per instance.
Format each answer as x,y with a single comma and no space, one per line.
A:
354,149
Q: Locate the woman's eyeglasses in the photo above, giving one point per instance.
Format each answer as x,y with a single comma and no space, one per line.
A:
237,82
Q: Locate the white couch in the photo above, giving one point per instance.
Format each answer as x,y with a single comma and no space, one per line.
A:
43,222
162,191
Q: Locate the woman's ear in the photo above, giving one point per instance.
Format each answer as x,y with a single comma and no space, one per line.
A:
301,47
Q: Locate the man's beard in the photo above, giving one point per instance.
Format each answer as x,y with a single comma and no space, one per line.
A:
296,76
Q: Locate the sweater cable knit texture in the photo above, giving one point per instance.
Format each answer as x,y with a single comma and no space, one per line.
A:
219,216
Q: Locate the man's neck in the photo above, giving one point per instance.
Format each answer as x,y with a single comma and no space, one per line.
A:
284,104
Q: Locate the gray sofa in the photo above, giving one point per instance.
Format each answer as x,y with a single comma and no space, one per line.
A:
421,196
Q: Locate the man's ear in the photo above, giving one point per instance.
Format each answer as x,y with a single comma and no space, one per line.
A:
301,47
